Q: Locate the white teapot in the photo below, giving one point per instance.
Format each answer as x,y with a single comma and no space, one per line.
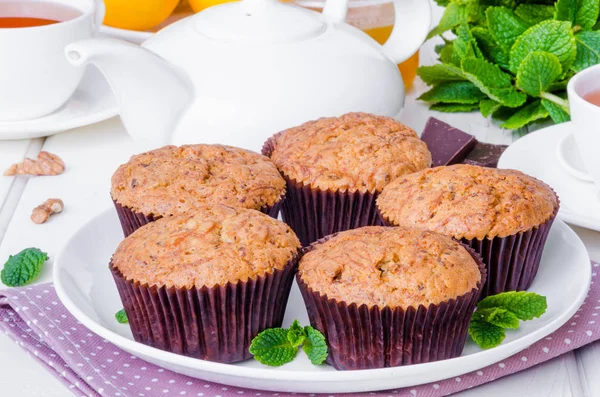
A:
238,72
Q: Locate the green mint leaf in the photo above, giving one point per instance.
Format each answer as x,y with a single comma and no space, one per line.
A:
454,14
492,81
534,13
528,114
554,37
504,113
486,335
504,26
537,72
296,334
579,12
588,50
488,106
454,107
449,56
489,48
22,268
556,112
453,92
121,316
272,347
440,73
524,305
442,3
499,317
465,45
476,13
315,346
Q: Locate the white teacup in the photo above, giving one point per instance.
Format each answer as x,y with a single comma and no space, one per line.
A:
586,119
35,77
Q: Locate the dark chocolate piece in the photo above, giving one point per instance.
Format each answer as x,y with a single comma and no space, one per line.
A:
485,155
448,145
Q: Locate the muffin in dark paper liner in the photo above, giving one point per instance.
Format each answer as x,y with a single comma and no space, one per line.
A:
504,215
174,180
204,285
368,336
335,167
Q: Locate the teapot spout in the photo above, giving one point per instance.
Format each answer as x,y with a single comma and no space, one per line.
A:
150,93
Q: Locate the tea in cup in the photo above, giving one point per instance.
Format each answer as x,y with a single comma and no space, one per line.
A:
35,77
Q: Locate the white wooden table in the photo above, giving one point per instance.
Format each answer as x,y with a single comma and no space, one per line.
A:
92,153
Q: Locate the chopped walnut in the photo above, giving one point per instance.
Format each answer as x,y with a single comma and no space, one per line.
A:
46,164
41,213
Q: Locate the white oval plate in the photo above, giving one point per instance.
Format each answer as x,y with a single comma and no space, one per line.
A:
535,155
85,286
91,103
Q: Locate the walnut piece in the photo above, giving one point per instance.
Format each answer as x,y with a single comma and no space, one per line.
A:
41,213
46,164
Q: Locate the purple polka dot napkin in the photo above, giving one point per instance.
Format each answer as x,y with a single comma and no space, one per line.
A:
90,366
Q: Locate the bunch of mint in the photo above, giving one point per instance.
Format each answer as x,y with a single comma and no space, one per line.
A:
503,311
511,59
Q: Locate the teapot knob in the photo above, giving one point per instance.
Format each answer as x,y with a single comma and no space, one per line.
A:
336,10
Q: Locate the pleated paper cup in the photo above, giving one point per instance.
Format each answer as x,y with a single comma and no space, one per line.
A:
215,324
512,262
362,337
314,213
132,220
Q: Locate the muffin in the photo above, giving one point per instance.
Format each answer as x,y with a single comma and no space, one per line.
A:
203,284
335,167
388,296
174,180
504,215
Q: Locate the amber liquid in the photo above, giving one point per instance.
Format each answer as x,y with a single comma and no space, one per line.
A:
24,22
409,67
593,97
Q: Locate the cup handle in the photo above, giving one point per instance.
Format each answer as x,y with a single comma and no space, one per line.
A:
99,13
411,26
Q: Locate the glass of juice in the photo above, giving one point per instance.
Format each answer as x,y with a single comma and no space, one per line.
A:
376,18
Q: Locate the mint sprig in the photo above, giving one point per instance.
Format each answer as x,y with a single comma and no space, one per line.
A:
121,317
23,268
277,346
518,54
503,311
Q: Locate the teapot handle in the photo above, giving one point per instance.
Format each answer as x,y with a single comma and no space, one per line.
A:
99,12
411,26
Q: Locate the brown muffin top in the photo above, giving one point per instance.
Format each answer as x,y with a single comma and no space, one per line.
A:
173,180
394,267
465,201
214,245
355,152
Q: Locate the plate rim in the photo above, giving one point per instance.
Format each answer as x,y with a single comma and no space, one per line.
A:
501,352
564,214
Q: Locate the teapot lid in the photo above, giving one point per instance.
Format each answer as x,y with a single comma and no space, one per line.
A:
267,21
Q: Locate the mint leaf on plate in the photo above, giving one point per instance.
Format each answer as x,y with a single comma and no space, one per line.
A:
499,317
529,113
491,80
453,92
315,346
583,13
554,37
588,50
272,347
524,305
486,335
22,268
537,72
504,26
121,317
534,13
440,73
296,334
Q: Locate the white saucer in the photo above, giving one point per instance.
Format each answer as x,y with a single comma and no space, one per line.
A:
85,286
569,157
92,102
535,154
